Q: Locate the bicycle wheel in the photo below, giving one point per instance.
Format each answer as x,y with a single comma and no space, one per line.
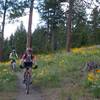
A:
14,66
27,83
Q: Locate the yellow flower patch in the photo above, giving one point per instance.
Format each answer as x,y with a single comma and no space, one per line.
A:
91,76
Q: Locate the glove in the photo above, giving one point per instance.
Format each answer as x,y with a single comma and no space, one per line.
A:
35,67
21,66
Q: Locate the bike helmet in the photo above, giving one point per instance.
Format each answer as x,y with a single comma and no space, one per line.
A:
29,49
13,50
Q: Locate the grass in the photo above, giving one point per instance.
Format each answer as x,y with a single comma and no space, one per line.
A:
7,82
59,74
7,78
7,95
59,70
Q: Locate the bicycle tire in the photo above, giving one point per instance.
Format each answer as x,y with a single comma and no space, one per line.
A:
27,83
14,66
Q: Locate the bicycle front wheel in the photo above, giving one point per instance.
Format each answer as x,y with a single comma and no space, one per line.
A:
14,66
27,83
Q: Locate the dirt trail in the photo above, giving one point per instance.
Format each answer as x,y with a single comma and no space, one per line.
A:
35,92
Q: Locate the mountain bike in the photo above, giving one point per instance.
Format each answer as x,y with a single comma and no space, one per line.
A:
13,65
27,78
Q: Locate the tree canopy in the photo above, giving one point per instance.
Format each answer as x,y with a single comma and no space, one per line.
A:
57,30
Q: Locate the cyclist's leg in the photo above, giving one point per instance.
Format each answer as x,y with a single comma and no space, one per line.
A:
30,71
25,72
24,76
14,65
29,66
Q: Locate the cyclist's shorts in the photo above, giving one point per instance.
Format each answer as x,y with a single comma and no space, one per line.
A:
27,64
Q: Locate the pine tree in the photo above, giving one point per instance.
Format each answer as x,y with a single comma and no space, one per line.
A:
53,16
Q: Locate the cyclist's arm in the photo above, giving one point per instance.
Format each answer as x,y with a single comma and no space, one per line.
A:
10,56
16,56
22,60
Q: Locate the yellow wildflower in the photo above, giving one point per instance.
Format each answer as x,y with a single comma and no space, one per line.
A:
91,76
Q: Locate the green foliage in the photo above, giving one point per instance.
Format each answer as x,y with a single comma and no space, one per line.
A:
20,39
95,25
95,88
40,41
7,49
17,41
80,28
51,11
52,36
14,8
63,71
53,16
7,78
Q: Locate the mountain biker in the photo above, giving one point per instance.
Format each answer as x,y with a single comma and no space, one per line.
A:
13,56
27,61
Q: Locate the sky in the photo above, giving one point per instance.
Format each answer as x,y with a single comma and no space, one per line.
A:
11,28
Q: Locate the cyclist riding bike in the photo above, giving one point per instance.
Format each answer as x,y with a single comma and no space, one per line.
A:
13,57
27,61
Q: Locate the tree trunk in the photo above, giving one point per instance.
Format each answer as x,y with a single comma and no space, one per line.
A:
1,46
52,40
29,34
48,34
2,32
69,30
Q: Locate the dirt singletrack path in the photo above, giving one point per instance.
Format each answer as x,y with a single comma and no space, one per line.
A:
35,92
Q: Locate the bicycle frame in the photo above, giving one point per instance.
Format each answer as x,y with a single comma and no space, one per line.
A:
27,80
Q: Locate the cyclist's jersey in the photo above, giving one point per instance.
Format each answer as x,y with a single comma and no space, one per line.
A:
28,57
28,60
13,56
